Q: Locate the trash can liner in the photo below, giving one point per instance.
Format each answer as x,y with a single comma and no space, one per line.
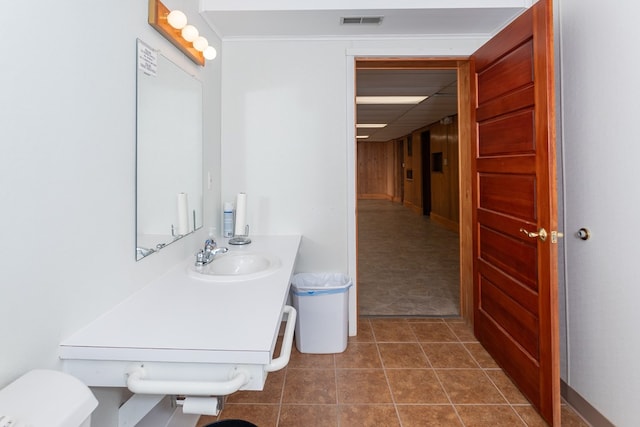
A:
330,291
315,281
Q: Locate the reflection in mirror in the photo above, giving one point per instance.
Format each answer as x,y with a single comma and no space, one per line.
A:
168,152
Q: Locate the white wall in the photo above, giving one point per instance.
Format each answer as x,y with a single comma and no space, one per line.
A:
67,169
600,106
283,132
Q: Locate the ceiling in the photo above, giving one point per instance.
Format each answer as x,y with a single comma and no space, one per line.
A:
439,85
321,18
314,19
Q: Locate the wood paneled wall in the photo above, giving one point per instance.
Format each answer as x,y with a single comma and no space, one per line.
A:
375,176
444,184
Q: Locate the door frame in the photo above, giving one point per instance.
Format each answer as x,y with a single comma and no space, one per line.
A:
465,116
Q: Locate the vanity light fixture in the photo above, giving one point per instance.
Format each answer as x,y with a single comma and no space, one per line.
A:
362,136
177,19
173,26
190,33
210,53
200,44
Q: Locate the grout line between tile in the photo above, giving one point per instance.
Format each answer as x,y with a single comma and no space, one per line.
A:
284,384
503,395
446,393
386,377
335,375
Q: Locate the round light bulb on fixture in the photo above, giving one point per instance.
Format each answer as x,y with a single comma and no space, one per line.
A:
177,19
190,33
210,52
200,44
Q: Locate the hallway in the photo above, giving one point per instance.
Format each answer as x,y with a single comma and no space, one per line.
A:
407,264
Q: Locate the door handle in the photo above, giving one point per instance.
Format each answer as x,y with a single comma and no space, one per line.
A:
541,234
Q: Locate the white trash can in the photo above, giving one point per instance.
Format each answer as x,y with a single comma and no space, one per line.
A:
322,302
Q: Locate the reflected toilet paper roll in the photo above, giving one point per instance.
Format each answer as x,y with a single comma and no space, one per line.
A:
200,405
240,228
183,214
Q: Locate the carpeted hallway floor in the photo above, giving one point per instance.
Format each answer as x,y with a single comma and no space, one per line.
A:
407,264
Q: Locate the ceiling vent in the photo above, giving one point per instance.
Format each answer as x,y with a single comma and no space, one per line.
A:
360,20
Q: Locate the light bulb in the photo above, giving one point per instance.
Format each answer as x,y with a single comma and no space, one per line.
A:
200,44
190,33
210,52
177,19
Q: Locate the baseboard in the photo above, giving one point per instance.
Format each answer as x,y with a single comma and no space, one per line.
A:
451,225
413,208
583,408
374,196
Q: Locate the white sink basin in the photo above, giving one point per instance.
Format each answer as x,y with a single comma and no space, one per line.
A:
237,266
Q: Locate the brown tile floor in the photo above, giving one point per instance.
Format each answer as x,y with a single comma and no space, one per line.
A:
397,372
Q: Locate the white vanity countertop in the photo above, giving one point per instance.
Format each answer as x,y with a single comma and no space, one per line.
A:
177,318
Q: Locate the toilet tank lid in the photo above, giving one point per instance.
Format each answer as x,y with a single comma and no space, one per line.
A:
43,397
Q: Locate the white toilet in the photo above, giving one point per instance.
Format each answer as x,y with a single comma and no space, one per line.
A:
48,398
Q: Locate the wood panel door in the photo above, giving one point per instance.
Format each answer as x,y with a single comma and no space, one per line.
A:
514,182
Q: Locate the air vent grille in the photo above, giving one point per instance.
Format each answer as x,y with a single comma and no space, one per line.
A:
360,20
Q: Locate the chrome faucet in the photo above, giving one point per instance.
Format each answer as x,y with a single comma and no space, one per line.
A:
206,255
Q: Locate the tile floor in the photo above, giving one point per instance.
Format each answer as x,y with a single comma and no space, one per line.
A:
407,264
397,372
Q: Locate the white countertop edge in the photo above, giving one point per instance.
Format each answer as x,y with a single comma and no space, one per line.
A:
70,353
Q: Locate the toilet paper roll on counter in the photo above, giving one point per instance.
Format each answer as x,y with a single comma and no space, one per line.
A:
241,215
200,405
183,214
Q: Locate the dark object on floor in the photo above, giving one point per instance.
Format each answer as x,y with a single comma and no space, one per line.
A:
231,423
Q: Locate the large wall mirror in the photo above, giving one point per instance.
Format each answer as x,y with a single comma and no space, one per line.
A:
168,152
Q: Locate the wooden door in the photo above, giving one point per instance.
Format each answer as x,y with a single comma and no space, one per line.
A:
514,182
